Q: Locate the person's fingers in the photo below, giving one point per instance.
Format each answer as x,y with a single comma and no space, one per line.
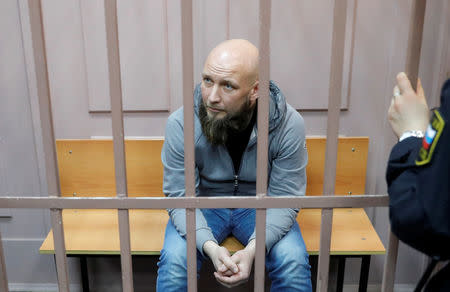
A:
227,273
234,279
219,279
404,84
222,268
395,91
420,92
229,264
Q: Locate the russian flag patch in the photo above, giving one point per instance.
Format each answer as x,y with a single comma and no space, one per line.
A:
431,138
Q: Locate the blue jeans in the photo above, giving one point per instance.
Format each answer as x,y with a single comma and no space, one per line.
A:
287,262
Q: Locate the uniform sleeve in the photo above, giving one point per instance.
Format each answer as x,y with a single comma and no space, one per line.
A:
286,178
418,187
172,157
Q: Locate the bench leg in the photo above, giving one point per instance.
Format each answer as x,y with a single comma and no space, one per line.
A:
313,262
364,276
84,274
341,272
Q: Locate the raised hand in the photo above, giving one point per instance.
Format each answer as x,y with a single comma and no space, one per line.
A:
409,109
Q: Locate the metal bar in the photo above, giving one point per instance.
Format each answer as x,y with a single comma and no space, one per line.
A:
334,95
60,250
260,247
166,48
84,274
115,91
228,21
308,202
187,49
125,250
324,250
334,104
389,265
415,40
3,276
45,112
364,276
262,140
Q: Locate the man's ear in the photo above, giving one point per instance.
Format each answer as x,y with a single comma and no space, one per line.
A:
254,92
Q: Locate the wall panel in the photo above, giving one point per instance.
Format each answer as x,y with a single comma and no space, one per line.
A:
143,46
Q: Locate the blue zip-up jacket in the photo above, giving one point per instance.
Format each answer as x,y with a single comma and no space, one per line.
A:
216,176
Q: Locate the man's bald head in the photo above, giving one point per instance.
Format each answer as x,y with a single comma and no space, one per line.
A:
236,54
229,89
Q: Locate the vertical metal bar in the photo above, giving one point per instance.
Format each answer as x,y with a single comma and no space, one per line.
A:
262,140
334,104
415,41
189,158
390,263
324,250
115,91
166,48
412,69
48,138
228,20
3,276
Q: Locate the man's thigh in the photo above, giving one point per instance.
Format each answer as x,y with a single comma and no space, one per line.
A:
219,221
290,246
243,222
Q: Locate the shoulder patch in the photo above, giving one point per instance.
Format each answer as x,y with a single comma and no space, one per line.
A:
431,138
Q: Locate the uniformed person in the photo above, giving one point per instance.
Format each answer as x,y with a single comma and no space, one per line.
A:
418,176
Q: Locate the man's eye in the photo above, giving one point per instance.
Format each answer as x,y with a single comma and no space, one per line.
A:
207,80
228,86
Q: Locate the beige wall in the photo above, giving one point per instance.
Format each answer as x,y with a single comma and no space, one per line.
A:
150,44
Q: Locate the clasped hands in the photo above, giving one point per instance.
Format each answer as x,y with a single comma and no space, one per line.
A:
231,270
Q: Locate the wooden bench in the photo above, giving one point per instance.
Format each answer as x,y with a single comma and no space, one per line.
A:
86,168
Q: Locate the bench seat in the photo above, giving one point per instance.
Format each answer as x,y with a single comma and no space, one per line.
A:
95,232
86,168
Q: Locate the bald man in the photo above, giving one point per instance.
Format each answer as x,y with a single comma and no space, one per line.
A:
225,161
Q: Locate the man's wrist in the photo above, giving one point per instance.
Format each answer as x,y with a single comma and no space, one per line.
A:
251,247
208,246
411,133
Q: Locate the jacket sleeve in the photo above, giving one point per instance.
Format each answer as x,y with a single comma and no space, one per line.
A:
419,190
172,157
287,177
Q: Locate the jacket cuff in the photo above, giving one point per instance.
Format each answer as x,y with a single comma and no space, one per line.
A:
202,236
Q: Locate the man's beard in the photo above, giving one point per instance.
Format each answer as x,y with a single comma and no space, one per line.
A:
217,130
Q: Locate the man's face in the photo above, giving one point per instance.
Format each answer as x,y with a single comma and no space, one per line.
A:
228,99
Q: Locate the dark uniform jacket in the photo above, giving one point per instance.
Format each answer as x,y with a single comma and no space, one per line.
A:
419,187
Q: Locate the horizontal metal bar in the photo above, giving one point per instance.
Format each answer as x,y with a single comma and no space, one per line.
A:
307,202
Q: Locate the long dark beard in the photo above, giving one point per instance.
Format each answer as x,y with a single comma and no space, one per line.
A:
217,130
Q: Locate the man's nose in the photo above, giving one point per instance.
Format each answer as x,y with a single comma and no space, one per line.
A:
214,96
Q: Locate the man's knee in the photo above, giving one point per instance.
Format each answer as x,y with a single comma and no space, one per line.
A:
290,256
174,259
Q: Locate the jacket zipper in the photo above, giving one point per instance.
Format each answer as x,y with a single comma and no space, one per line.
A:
236,175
